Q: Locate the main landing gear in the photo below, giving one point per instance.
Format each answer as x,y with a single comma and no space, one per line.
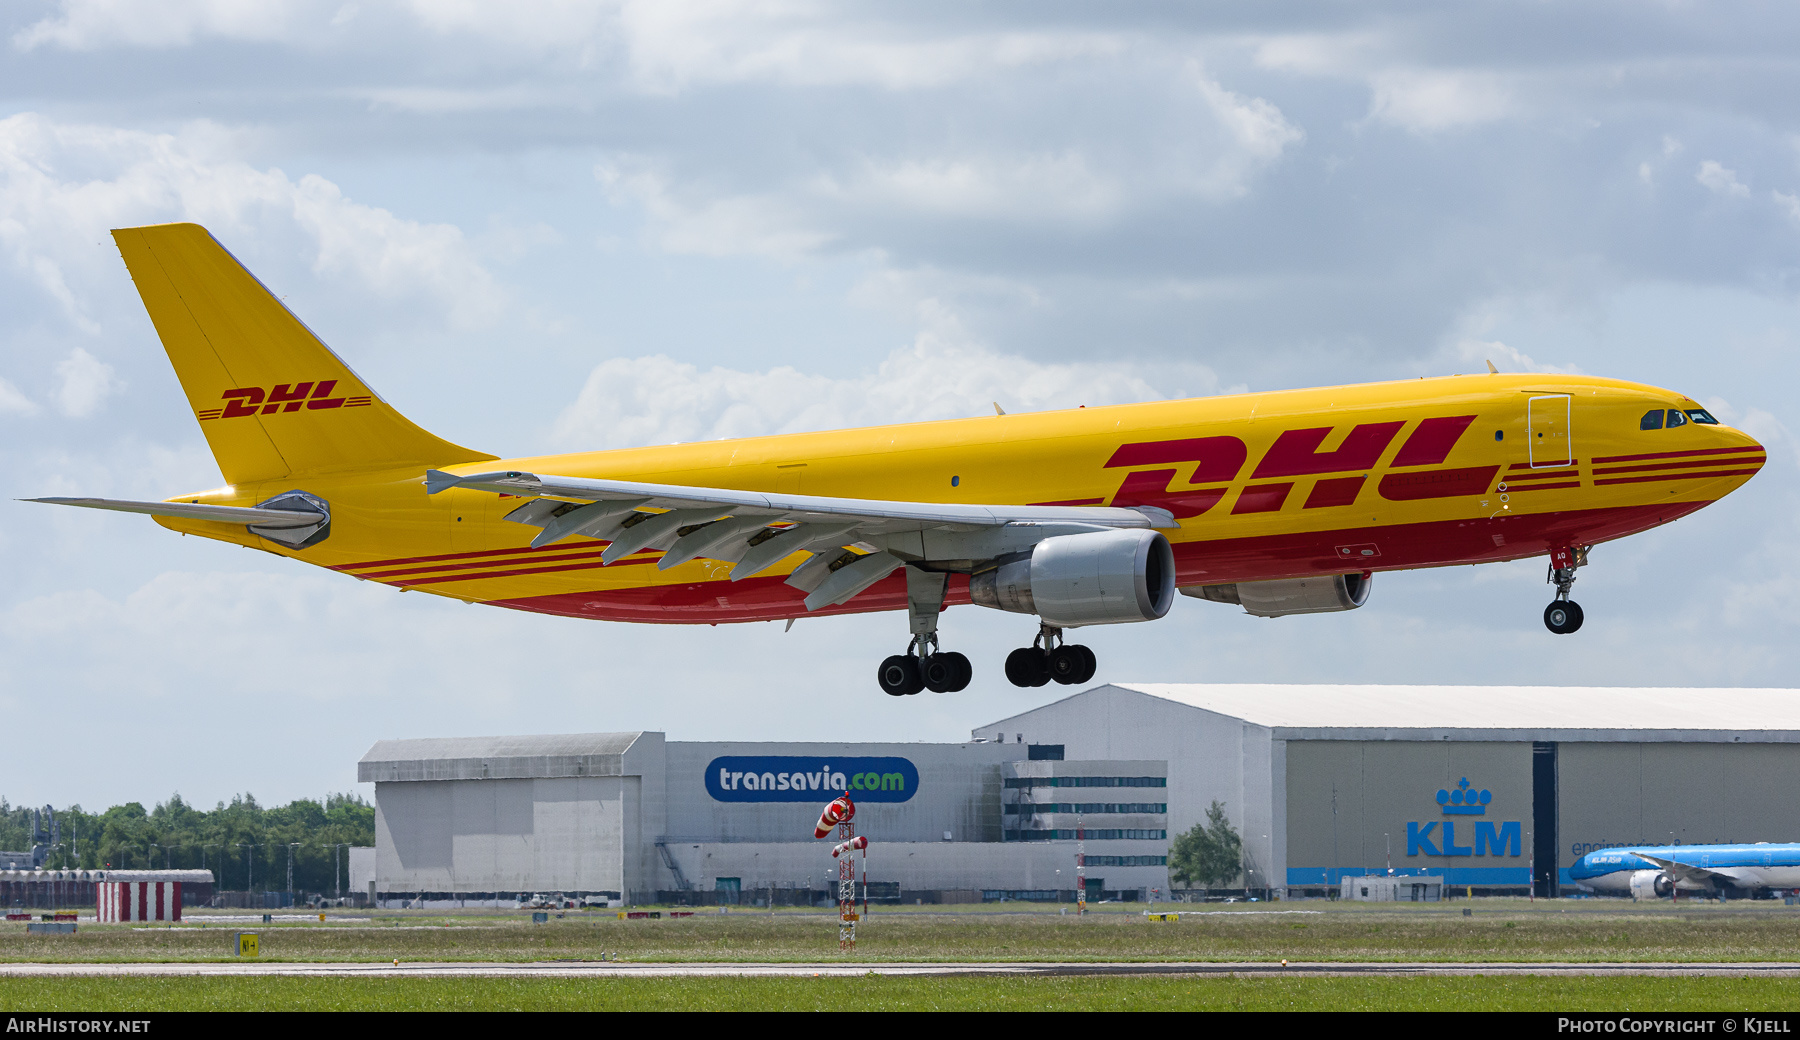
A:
938,671
903,675
1045,659
1563,615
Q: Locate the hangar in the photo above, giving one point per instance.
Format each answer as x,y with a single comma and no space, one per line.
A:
1496,789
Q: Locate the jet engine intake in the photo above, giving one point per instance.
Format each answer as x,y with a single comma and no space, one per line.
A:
1291,595
1097,578
1651,884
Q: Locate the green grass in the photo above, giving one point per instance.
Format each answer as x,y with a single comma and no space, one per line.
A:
874,993
1508,933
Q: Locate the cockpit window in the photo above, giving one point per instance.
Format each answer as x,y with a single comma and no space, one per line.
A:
1652,420
1702,416
1677,418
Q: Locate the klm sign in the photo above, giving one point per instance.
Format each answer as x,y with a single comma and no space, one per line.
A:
1483,837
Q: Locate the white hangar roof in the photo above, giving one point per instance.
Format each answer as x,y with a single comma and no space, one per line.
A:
496,758
1329,712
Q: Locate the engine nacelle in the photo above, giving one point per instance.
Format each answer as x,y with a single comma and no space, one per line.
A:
1099,578
1651,884
1291,595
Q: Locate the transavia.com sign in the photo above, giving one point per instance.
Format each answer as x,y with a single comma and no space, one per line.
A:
796,778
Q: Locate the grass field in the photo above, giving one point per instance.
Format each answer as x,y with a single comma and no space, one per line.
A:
1546,932
874,993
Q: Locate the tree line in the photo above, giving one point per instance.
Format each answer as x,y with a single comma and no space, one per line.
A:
246,846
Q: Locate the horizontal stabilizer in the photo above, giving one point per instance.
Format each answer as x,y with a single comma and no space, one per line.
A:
247,515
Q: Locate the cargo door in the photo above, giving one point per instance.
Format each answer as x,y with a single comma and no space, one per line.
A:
1547,431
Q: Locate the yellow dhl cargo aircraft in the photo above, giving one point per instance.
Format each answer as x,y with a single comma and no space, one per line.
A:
1283,503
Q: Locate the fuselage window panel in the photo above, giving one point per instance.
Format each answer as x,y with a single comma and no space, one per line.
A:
1702,416
1677,418
1652,420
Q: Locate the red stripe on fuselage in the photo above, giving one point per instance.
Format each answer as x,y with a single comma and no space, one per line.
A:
1542,487
1679,476
547,550
590,565
1512,478
1676,454
1438,544
1759,460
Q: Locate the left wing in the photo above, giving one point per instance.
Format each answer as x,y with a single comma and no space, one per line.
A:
754,530
1697,875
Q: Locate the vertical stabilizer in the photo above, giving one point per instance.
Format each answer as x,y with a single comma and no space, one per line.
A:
271,398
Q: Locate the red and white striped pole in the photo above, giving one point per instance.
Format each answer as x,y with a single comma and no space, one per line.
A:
1080,867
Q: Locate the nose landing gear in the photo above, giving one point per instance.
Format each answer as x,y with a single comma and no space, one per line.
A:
1563,615
1044,660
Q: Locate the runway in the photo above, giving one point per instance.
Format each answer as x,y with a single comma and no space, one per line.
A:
838,969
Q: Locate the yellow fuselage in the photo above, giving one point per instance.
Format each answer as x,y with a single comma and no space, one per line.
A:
1381,476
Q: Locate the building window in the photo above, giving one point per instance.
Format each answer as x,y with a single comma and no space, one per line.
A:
1127,861
1090,833
1098,808
1027,782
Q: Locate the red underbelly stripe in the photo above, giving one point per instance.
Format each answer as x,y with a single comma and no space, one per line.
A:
1437,544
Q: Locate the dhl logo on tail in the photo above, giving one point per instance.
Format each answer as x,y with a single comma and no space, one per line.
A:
282,397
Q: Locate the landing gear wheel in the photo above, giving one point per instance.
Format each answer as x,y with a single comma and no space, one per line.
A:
946,672
1027,666
1562,616
1072,663
1090,665
899,676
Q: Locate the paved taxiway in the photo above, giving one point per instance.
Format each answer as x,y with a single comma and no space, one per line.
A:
629,969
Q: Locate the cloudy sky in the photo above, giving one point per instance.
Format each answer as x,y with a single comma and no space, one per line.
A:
545,226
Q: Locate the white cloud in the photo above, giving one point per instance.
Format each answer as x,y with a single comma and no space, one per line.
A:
1789,204
12,402
681,221
86,384
91,24
674,45
1256,130
1216,158
1721,180
1766,428
1475,352
656,400
1022,187
1403,93
63,185
1430,100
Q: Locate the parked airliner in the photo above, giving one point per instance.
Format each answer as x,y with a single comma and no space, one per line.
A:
1658,871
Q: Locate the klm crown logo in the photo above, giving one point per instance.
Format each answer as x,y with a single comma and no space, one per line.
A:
1463,801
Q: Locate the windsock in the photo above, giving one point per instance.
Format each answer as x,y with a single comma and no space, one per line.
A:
840,809
861,841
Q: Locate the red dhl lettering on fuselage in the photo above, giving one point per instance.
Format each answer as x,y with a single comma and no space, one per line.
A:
282,397
1219,461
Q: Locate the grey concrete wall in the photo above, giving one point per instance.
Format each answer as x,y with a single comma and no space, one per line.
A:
1381,786
917,865
1664,793
646,813
562,834
1209,757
